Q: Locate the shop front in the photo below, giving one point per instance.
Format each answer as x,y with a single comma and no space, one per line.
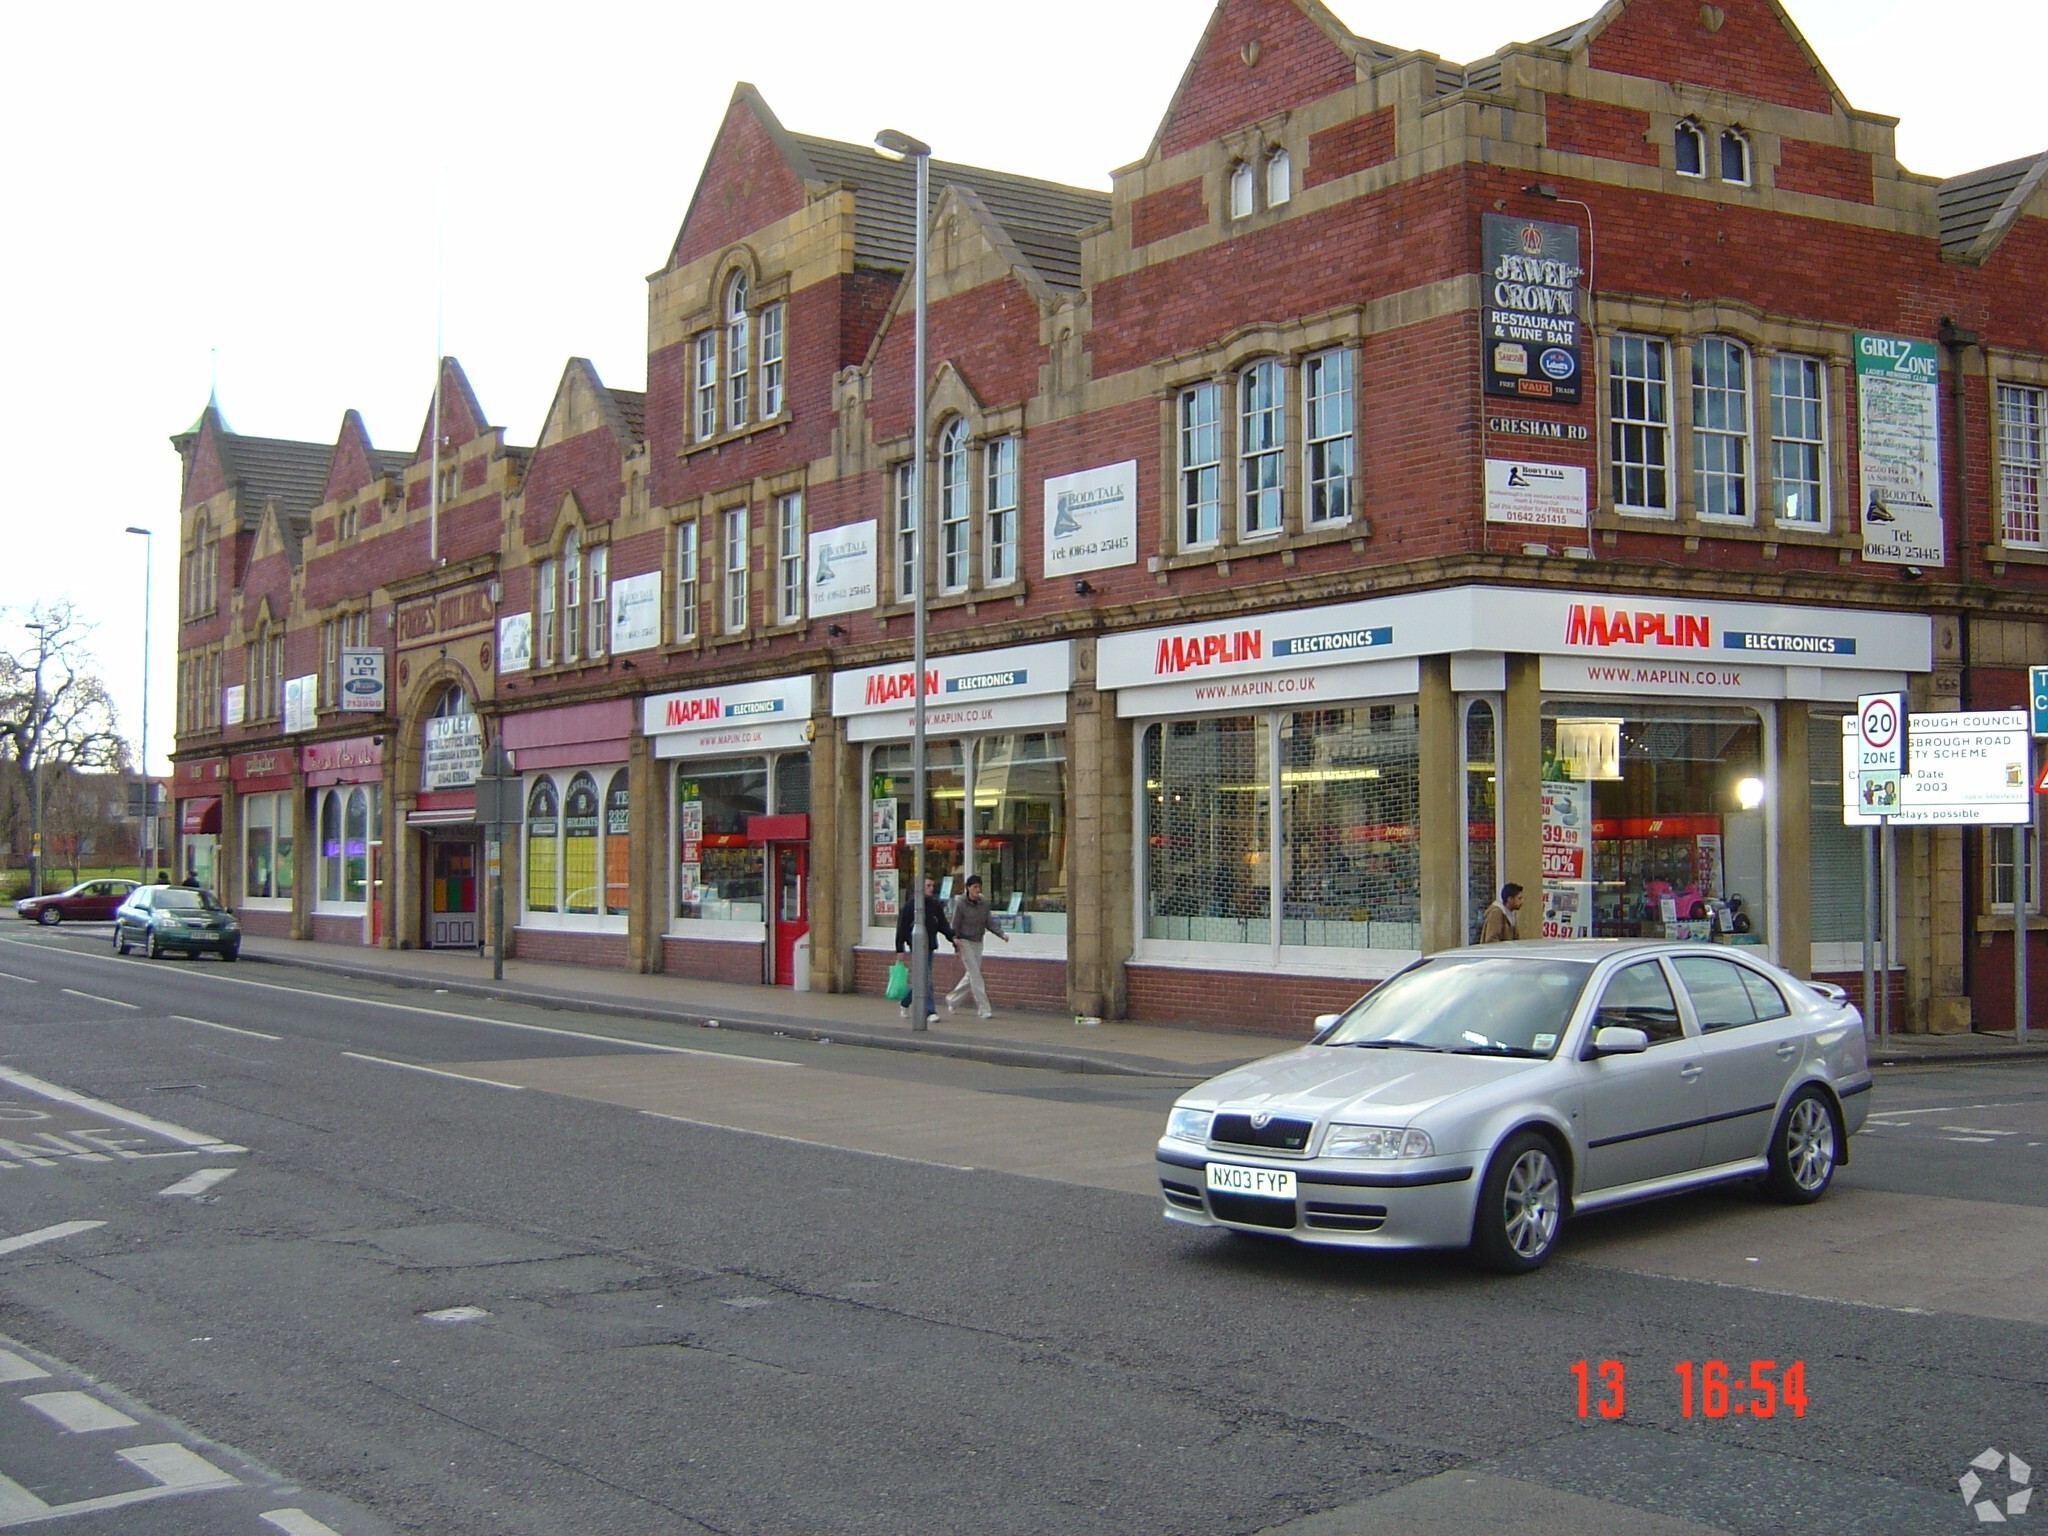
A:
571,884
443,822
735,763
344,824
198,787
997,789
1325,793
266,828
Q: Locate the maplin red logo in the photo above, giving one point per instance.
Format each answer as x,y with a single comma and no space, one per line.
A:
1591,624
1184,653
888,687
694,709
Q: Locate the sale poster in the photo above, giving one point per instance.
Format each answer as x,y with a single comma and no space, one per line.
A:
1567,859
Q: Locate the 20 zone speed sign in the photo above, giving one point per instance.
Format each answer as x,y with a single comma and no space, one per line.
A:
1880,750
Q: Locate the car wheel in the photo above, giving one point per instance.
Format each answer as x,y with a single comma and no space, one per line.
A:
120,941
49,917
1804,1150
231,952
156,948
1521,1206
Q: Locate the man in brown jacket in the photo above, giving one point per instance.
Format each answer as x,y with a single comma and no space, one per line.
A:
1498,926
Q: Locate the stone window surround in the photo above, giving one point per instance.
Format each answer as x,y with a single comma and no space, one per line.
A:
763,290
948,398
2002,366
1253,145
568,517
1221,364
1680,326
1711,115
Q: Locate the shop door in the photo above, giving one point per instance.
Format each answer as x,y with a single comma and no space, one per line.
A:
790,913
451,895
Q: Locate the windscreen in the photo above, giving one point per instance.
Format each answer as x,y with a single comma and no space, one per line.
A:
1519,1005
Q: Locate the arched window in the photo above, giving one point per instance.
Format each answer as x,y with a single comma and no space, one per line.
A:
543,847
1241,187
1279,178
1689,149
1735,156
355,863
579,846
618,827
1261,448
738,352
953,526
572,591
330,847
544,651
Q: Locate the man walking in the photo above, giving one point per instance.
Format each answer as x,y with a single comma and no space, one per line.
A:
970,924
935,927
1498,926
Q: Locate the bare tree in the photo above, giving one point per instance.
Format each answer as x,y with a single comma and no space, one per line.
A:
54,710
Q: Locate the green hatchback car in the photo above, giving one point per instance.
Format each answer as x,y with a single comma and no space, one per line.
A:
176,919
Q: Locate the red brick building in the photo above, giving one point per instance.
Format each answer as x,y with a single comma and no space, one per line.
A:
1407,477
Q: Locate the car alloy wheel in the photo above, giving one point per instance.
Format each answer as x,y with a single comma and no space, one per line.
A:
120,940
156,948
1521,1206
1804,1150
231,952
49,917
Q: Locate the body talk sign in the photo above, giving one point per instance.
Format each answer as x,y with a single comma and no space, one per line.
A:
1530,309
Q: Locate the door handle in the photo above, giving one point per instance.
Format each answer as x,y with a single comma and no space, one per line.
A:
1788,1050
1691,1071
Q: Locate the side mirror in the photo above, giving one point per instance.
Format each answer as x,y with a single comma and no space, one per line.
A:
1325,1020
1619,1040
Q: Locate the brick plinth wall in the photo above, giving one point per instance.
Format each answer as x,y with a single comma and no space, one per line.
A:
264,922
1270,1005
713,960
557,947
1013,982
337,930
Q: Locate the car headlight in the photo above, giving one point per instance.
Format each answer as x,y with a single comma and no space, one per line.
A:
1377,1141
169,920
1189,1124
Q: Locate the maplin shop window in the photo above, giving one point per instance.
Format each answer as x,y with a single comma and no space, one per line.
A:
1289,830
995,806
1654,824
720,876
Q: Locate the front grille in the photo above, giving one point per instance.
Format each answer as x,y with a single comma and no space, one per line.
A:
1345,1218
1186,1196
1276,1135
1251,1211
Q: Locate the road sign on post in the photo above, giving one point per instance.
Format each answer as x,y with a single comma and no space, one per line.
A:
1880,751
498,808
2037,700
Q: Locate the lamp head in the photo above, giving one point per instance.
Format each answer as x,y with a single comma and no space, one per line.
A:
901,144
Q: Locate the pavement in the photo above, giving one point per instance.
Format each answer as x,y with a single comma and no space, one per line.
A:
1012,1037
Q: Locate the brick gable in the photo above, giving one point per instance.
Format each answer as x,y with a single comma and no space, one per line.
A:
1296,61
1168,212
1599,128
747,184
1826,170
1753,53
350,469
1353,146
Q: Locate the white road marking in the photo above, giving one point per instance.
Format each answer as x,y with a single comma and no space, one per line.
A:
172,1469
198,1183
177,1466
14,1368
1971,1130
254,1034
296,1522
442,1013
801,1141
455,1315
27,980
78,1413
94,997
1945,1109
1977,1141
46,1235
128,1117
385,1061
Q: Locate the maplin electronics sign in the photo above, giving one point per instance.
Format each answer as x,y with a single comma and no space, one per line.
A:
1530,309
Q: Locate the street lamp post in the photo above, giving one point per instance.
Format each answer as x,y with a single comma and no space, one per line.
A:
143,839
34,760
919,154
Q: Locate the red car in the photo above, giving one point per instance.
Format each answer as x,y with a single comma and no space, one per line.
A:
92,902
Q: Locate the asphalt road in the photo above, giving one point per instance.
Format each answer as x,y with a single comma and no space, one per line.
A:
285,1254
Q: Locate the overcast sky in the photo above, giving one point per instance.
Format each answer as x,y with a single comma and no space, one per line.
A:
292,187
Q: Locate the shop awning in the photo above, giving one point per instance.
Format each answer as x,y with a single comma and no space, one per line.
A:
198,816
446,817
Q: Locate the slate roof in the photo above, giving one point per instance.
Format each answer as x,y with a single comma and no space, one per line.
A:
294,473
391,462
632,404
1970,202
1044,218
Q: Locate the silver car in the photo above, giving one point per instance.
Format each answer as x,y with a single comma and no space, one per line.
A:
1479,1096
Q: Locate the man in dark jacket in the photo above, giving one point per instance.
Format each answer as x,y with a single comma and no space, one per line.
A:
935,927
